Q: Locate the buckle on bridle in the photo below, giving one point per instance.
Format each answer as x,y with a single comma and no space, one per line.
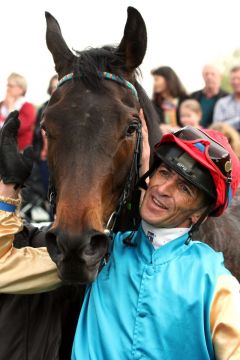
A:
110,224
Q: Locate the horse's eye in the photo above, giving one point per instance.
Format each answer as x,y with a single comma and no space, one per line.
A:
132,128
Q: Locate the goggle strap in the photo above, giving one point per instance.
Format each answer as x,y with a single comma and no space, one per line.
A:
142,181
228,184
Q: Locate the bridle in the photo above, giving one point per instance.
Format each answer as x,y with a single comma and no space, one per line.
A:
103,75
133,177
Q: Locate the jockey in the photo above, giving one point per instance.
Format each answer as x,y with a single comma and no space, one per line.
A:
163,296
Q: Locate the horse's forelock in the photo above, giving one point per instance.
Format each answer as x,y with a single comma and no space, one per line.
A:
88,63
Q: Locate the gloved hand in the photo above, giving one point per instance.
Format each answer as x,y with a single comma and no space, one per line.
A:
15,167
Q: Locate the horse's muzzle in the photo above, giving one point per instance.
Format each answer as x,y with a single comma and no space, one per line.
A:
78,257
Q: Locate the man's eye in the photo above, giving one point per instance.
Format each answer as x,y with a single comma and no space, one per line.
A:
185,189
163,172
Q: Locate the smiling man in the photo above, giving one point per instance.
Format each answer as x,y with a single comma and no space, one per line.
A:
165,296
160,295
166,209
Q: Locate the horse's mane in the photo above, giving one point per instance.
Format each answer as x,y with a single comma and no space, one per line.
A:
90,61
151,116
107,58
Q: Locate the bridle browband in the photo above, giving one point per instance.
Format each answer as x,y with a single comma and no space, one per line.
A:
104,75
133,176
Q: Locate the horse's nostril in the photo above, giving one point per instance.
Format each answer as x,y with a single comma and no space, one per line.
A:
99,240
98,243
62,247
51,241
50,236
94,243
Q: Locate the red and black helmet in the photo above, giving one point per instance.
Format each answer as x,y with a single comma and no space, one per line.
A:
204,158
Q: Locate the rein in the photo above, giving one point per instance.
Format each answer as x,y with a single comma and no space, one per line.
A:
133,176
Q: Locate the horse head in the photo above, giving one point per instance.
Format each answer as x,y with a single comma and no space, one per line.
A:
90,123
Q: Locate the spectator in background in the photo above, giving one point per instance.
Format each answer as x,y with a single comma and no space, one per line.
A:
168,93
211,93
190,113
15,100
231,134
227,110
40,141
34,194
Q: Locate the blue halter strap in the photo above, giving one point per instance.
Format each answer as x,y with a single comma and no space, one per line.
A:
107,76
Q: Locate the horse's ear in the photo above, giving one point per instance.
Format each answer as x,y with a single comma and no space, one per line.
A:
134,42
62,56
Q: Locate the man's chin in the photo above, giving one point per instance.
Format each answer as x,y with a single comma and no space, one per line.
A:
151,220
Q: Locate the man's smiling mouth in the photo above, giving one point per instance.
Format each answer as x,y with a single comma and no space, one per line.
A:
159,203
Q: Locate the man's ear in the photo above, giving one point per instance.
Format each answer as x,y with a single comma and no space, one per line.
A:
196,216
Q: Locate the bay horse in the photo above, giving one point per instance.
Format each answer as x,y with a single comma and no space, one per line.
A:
90,123
94,136
222,234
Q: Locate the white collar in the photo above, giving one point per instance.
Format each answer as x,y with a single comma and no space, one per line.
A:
159,237
17,106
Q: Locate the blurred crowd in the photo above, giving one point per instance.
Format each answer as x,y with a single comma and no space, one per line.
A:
35,206
210,107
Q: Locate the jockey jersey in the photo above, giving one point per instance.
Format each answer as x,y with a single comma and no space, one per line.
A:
170,302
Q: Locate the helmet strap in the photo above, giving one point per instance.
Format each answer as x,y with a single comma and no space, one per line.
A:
195,226
142,181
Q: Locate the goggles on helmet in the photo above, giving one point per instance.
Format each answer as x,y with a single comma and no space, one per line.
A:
216,152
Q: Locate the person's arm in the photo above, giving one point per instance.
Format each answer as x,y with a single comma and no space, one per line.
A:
22,271
25,270
218,113
145,160
225,318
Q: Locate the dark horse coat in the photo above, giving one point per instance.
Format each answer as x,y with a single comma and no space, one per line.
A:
222,234
42,326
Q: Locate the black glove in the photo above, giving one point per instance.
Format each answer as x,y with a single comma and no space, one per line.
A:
15,167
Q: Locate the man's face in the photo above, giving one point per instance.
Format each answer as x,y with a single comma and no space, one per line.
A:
211,76
235,81
170,200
